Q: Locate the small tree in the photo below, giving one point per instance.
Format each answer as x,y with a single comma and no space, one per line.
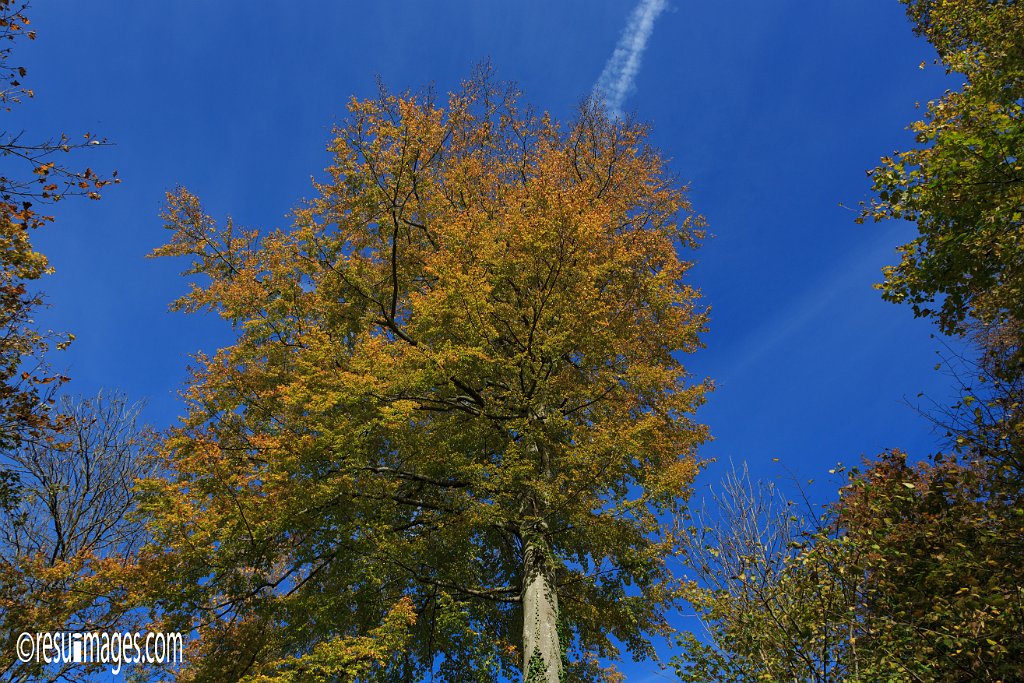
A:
67,544
456,381
775,586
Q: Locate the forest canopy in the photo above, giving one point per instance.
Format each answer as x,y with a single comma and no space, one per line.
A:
450,421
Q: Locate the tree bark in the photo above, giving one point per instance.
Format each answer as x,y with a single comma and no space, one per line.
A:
542,653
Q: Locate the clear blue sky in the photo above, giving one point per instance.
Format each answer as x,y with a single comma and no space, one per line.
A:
771,110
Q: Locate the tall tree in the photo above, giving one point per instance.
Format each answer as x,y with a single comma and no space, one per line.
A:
456,382
925,557
66,466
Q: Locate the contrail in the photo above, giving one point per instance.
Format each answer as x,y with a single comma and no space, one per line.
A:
616,80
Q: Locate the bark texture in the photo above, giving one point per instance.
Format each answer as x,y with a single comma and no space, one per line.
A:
542,653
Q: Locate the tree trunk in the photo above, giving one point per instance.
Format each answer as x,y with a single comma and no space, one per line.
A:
542,653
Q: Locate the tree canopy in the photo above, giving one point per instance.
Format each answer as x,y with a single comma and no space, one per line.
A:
962,185
456,385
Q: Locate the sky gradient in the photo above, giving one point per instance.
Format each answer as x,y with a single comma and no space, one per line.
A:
770,111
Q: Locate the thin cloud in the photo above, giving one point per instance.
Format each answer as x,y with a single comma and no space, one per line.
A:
616,80
814,303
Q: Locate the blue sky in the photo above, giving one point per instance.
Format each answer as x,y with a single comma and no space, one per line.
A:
771,111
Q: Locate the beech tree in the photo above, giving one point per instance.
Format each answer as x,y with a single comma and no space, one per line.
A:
456,386
951,537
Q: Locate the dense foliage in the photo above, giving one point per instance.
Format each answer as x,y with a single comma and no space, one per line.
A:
453,437
455,386
962,185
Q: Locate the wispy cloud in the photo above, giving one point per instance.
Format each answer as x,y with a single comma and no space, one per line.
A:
616,80
813,306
